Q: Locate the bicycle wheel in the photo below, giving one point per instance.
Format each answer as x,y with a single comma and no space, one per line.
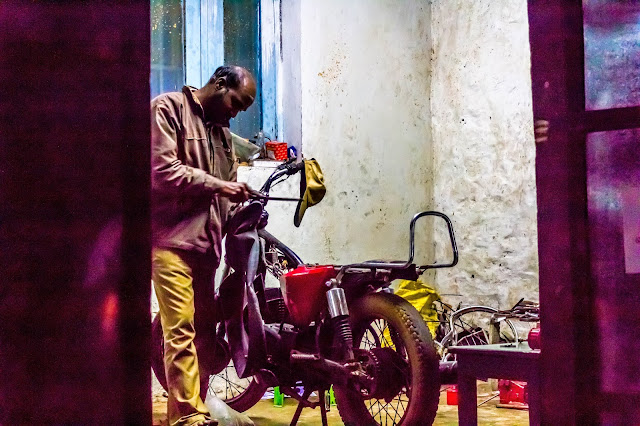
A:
394,346
443,310
473,326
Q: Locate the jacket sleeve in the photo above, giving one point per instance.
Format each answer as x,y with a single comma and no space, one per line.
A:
168,174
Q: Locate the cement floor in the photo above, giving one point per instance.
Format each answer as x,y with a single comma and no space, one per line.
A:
265,414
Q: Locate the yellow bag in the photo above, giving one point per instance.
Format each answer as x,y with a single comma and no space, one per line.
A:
422,297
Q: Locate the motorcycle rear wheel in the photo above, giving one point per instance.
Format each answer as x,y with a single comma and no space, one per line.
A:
388,321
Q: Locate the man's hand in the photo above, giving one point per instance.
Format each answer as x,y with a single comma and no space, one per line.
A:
236,192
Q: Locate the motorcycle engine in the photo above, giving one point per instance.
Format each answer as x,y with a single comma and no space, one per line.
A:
280,341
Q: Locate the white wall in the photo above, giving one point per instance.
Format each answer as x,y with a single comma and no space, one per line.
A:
411,105
483,147
366,119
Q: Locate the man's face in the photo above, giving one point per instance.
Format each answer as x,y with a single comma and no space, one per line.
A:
230,101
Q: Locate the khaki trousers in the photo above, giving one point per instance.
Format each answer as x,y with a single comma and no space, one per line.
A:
184,285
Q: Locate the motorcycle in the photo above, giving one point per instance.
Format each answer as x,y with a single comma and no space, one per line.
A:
331,326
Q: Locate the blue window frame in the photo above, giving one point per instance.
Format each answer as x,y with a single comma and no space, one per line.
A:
167,53
191,38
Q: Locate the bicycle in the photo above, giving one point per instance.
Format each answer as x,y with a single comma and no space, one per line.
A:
470,325
476,325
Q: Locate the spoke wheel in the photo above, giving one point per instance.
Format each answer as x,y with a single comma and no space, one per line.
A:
394,347
472,326
239,394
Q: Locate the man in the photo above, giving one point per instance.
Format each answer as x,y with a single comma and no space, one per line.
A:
193,185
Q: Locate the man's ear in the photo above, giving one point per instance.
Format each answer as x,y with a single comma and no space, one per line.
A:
221,83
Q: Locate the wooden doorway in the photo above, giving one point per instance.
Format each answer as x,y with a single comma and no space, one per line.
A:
586,83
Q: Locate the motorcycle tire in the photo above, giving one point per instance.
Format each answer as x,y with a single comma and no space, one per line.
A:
400,328
241,397
279,258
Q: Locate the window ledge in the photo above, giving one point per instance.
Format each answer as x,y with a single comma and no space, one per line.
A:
262,164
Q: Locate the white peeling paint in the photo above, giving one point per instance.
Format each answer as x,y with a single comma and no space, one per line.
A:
365,114
410,105
483,147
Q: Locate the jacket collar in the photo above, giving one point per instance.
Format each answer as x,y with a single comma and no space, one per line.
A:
189,92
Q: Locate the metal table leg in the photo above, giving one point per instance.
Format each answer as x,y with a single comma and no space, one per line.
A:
467,400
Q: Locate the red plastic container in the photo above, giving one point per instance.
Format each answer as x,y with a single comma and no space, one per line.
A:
534,337
512,391
304,291
452,395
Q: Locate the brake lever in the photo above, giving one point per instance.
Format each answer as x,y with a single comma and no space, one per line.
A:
258,196
286,164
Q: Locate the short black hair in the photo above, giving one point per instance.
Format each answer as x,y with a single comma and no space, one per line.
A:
232,74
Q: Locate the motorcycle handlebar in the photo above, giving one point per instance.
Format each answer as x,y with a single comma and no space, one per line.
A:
291,166
288,168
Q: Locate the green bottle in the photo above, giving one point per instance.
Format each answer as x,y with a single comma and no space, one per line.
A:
278,397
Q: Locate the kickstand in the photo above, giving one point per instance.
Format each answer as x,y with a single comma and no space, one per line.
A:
301,404
304,402
323,408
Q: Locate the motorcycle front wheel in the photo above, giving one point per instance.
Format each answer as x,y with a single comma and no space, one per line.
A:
239,394
394,346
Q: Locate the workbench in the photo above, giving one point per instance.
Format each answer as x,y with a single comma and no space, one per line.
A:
500,361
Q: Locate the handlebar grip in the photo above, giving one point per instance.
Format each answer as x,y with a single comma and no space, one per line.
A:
286,164
294,168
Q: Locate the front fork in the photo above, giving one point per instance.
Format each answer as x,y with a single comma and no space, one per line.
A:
339,312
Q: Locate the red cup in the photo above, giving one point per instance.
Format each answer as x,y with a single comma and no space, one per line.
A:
534,338
452,395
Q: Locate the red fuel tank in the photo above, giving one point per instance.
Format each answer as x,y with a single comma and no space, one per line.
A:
304,292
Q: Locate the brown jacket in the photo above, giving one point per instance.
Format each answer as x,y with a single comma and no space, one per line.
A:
189,161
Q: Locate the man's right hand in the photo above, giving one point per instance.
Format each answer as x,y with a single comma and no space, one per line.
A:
236,192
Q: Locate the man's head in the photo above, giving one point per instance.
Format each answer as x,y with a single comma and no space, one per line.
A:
230,89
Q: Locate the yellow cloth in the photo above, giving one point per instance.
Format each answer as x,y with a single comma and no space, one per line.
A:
312,188
422,297
175,275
